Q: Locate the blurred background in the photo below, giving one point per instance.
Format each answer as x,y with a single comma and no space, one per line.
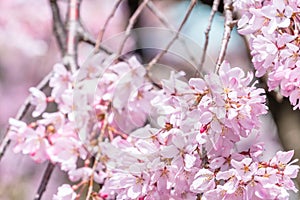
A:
28,50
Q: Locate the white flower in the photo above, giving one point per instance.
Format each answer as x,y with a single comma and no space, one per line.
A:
65,192
39,99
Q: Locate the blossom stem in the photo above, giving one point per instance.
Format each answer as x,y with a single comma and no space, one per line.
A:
100,138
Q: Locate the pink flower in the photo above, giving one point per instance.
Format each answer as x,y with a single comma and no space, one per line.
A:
65,192
252,19
279,14
229,103
245,168
66,148
231,178
204,180
274,45
264,52
39,99
57,119
29,141
282,159
180,150
60,81
81,173
129,186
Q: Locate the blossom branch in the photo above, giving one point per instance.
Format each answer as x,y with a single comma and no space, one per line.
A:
84,36
228,26
207,31
131,23
98,155
58,27
70,59
161,17
102,30
44,181
158,56
22,111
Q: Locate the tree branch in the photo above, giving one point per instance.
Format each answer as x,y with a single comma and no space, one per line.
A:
131,23
98,155
84,36
228,26
161,17
207,31
70,59
102,30
158,56
44,181
58,27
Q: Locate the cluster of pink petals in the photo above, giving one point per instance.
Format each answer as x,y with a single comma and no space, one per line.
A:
193,152
143,142
122,91
68,134
274,28
48,141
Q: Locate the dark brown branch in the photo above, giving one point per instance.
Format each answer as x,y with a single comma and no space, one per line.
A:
58,27
102,30
21,113
207,31
131,23
228,26
44,181
158,56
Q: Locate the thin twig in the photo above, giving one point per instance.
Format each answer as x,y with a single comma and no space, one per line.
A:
70,59
44,181
91,180
103,29
84,36
228,26
158,56
21,113
131,23
161,17
58,27
207,31
100,139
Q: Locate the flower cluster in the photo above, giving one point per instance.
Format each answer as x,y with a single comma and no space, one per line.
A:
141,141
274,41
192,154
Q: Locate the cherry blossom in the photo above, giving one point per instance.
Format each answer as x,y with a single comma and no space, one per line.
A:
274,42
143,142
30,140
65,192
38,99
